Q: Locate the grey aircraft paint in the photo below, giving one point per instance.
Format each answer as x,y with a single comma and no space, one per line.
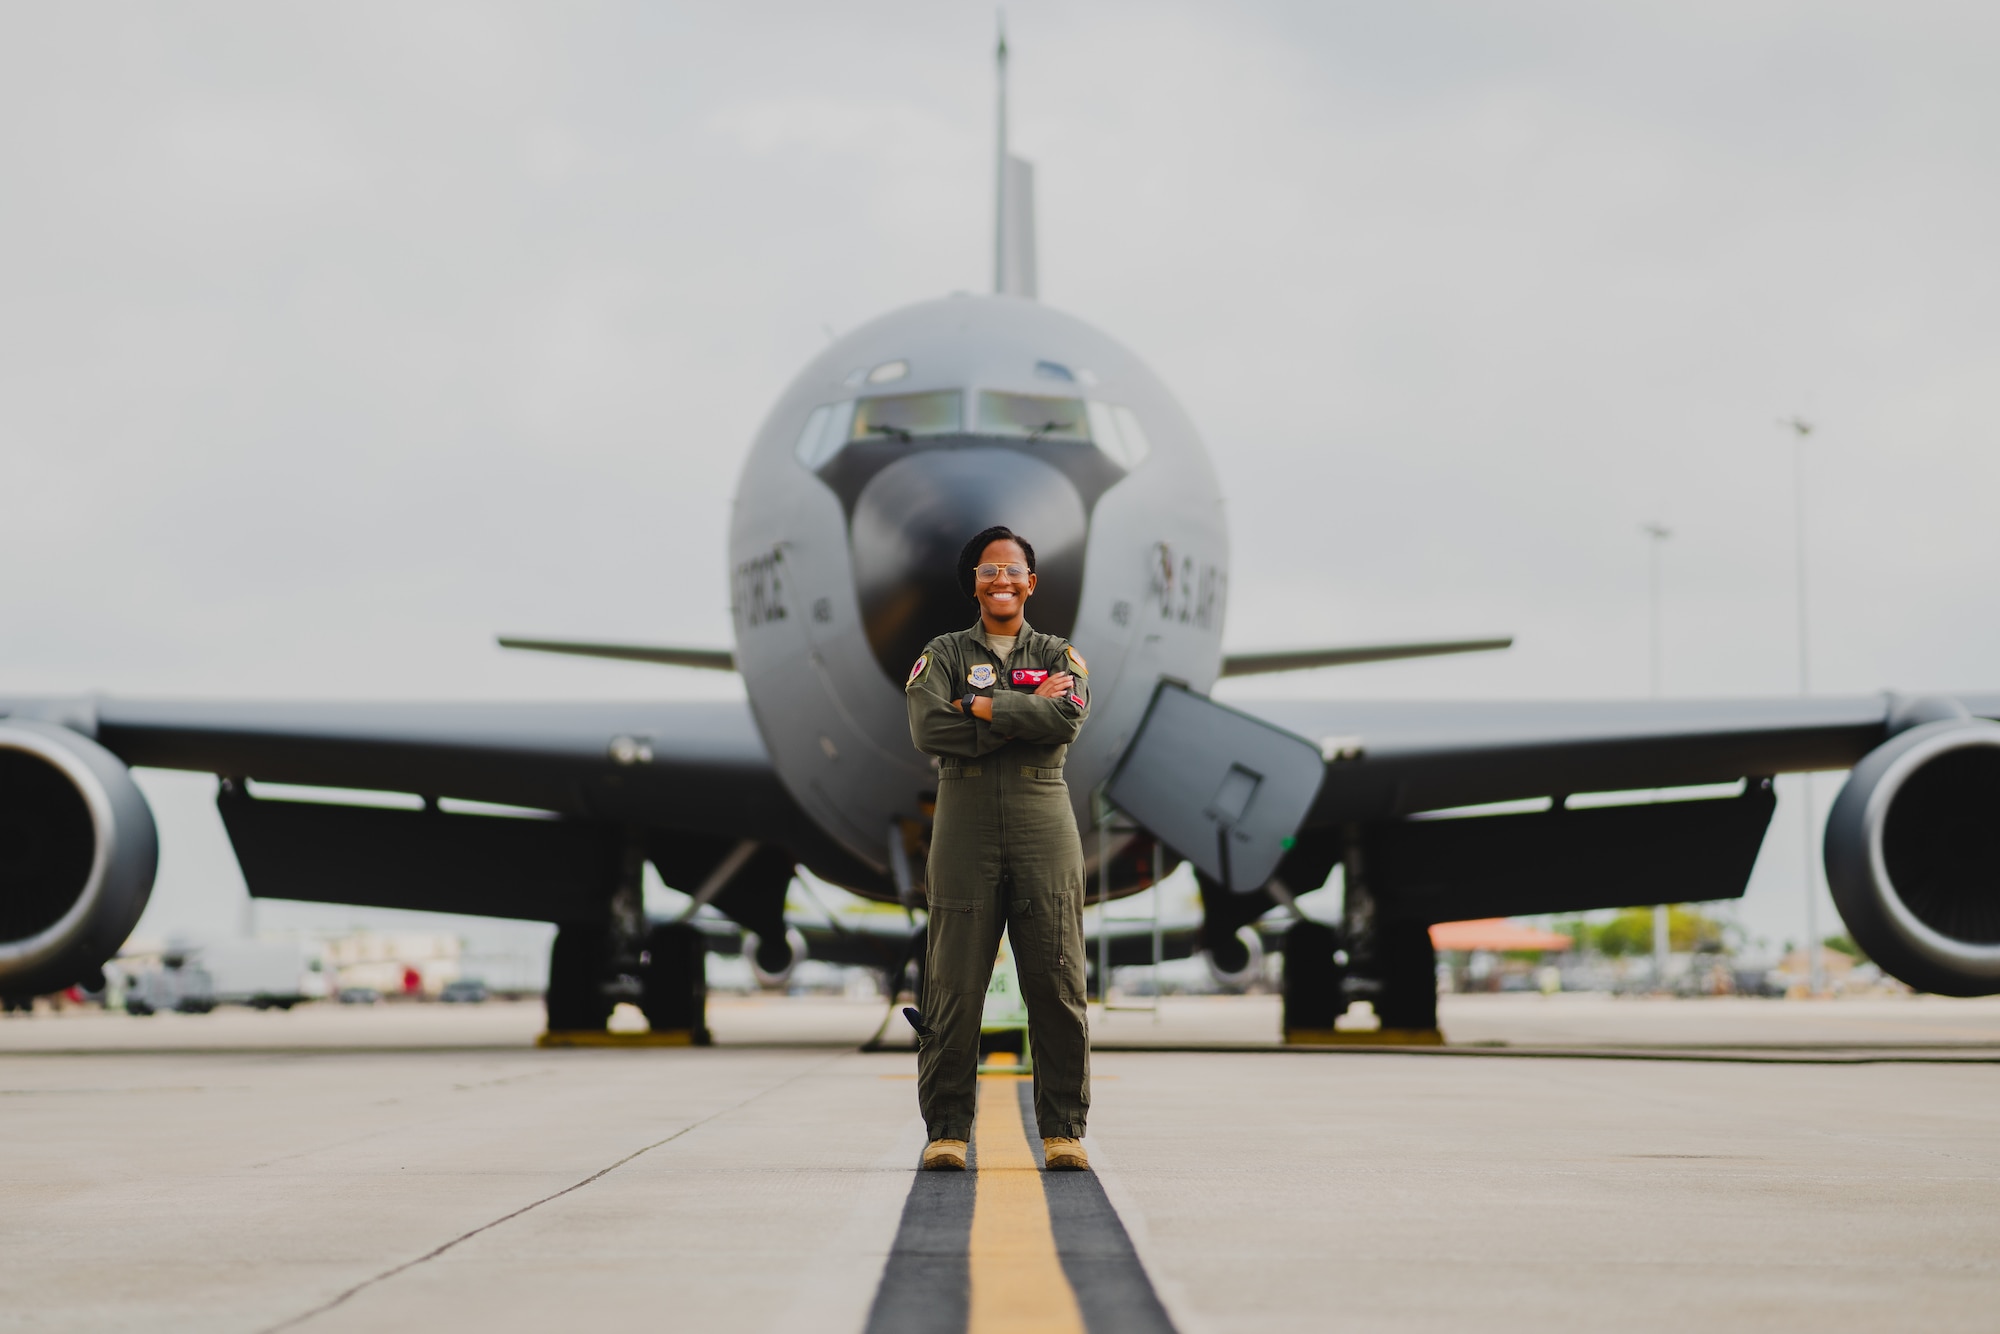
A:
842,553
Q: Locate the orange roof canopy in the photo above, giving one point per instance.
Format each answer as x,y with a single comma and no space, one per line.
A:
1496,934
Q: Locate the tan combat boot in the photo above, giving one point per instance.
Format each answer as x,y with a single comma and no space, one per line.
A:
944,1155
1065,1155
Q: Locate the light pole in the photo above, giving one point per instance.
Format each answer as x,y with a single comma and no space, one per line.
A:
1800,429
1657,533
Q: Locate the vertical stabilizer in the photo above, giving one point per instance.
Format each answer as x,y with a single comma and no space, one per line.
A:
1017,231
1013,201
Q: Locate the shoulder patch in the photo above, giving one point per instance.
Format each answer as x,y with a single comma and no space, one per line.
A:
1076,659
923,664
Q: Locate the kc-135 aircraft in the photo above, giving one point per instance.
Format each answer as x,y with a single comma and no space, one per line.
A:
887,451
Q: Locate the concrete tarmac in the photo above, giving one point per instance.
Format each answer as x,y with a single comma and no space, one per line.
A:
1744,1165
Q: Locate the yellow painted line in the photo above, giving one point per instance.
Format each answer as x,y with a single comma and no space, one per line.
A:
1017,1278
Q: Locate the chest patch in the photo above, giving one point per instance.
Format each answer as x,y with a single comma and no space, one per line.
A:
981,676
1030,676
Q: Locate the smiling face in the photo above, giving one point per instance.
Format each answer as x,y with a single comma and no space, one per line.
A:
1003,599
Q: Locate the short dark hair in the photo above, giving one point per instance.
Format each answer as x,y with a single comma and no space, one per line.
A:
968,559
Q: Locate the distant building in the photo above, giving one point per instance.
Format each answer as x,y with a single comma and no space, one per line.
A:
402,963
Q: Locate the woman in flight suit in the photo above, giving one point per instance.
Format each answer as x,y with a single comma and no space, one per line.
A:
998,705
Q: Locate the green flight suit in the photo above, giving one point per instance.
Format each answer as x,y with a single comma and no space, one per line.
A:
1004,853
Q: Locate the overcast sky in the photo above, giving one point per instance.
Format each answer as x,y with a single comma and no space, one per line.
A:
335,338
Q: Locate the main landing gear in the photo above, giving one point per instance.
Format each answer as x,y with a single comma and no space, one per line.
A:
1396,974
595,965
1370,955
1384,959
589,975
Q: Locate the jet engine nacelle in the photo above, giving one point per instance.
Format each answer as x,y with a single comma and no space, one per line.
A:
772,962
1237,963
1913,855
77,855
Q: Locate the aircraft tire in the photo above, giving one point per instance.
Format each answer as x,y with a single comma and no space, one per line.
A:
1312,980
674,982
575,999
1408,966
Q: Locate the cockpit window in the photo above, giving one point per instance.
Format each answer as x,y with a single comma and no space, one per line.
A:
1136,444
1116,431
901,416
1033,416
825,432
904,417
896,417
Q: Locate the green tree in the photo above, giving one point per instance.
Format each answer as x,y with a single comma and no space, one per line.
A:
1630,932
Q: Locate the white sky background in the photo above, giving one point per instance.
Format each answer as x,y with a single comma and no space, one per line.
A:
335,339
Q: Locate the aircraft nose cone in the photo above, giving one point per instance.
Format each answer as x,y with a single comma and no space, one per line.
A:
913,517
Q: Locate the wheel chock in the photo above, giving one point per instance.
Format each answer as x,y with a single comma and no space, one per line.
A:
1364,1037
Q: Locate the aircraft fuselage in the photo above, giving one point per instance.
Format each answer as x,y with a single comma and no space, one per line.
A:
879,461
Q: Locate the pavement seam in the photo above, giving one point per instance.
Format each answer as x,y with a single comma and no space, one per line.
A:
692,1126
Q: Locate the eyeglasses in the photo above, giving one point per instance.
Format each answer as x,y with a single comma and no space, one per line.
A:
989,572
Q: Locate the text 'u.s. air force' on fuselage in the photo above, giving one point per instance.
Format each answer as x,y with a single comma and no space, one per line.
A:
883,456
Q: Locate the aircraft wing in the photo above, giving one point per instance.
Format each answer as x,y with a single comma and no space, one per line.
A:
1386,760
1381,766
702,765
690,781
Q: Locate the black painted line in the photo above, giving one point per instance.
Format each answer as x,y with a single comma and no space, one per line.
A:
926,1286
1111,1286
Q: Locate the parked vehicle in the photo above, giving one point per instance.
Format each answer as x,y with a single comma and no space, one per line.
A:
176,983
266,974
194,979
464,991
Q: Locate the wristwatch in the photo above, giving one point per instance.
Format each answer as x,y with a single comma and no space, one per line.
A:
970,696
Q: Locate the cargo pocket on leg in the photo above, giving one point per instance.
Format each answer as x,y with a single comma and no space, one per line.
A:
1036,929
958,959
